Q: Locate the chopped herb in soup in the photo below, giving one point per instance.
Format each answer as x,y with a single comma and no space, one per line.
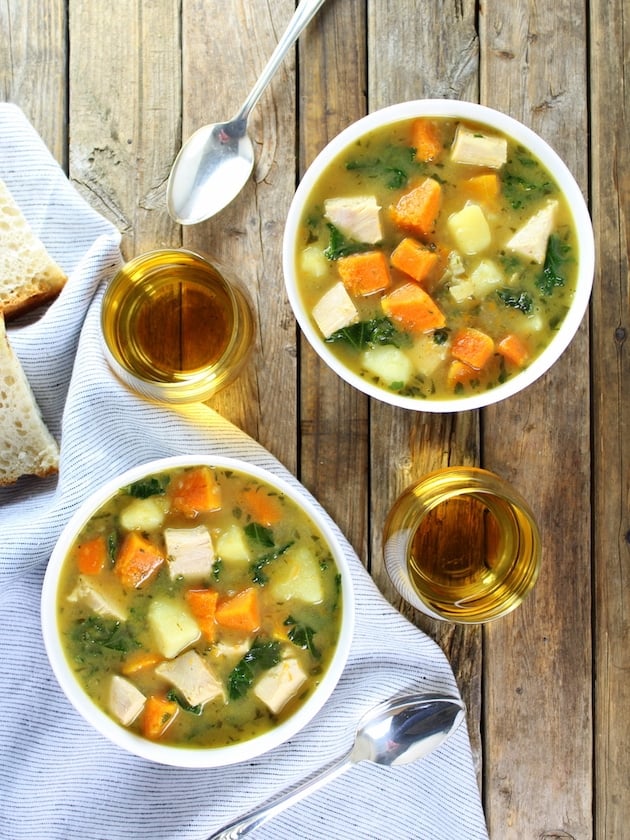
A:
437,258
200,607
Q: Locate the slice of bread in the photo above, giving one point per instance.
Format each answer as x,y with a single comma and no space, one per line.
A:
28,274
26,445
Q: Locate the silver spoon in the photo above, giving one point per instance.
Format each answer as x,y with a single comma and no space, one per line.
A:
397,731
215,163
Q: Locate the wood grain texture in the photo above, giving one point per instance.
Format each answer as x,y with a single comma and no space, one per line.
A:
124,114
33,67
610,127
534,70
220,66
112,96
333,416
414,55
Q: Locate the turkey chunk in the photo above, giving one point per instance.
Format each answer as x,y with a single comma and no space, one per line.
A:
190,552
279,684
530,241
357,217
192,676
125,701
478,149
89,593
335,310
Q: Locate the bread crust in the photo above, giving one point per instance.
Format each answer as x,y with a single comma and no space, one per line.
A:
29,276
26,445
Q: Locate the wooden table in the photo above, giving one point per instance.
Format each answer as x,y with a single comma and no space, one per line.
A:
113,87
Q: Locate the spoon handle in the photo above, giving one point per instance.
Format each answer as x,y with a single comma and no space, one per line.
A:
302,16
243,825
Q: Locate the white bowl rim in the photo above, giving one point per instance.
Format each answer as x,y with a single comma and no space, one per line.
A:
456,109
173,755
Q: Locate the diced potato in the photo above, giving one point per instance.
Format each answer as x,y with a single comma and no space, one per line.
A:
426,355
470,229
231,546
144,514
297,575
387,362
356,217
475,148
125,701
463,291
190,552
455,264
90,593
335,310
313,262
279,684
230,650
530,241
485,278
173,627
191,675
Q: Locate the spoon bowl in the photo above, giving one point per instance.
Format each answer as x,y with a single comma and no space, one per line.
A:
216,161
397,731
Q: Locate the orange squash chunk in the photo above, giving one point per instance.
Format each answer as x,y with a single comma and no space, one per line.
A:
92,556
425,139
418,209
203,606
411,307
484,188
472,347
138,561
263,508
140,662
195,491
514,349
240,612
460,374
364,273
158,715
414,259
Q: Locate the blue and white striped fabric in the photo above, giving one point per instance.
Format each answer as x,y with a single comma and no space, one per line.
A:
59,779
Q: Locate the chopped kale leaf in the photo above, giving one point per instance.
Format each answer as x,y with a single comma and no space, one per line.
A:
392,165
364,334
94,633
517,300
148,487
552,274
258,576
302,636
174,697
260,657
340,246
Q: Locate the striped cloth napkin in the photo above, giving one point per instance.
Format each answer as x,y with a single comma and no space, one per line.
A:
59,779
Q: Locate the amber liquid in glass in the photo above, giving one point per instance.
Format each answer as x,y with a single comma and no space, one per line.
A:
180,322
462,546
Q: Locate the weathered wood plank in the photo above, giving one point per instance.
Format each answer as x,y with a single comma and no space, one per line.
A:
610,127
33,67
333,416
220,66
124,114
534,69
415,55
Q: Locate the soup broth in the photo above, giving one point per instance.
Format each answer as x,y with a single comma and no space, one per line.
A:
200,607
436,258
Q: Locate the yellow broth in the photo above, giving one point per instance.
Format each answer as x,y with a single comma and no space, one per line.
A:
515,300
286,562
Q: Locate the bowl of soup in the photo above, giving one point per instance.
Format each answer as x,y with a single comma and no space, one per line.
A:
438,255
198,611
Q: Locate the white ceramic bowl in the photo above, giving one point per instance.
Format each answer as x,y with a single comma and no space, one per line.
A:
165,753
483,115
